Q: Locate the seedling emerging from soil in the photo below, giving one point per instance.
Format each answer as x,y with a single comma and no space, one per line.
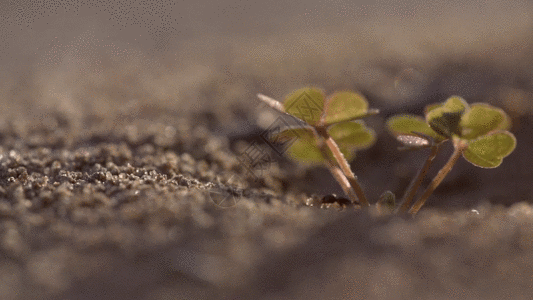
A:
386,203
330,132
478,133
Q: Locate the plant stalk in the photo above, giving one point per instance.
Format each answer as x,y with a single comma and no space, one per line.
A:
345,184
343,164
417,180
438,179
335,170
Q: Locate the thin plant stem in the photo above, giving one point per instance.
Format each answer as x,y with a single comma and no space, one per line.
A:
346,187
343,164
417,180
438,179
335,170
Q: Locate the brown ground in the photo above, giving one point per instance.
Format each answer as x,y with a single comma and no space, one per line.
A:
110,165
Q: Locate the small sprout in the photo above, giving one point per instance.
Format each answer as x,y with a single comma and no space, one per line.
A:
332,134
407,128
331,131
478,133
386,203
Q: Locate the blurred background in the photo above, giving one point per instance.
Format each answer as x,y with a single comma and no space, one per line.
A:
86,72
90,60
101,66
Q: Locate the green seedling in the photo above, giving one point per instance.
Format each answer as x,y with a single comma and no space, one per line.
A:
332,131
478,133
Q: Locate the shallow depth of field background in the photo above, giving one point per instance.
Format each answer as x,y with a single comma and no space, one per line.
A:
103,66
92,71
92,59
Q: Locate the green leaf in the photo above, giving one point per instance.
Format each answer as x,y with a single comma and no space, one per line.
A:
306,152
407,124
306,104
483,118
489,150
445,119
291,133
347,152
352,135
344,106
349,136
301,148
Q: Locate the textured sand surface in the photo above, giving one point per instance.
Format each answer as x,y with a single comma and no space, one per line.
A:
119,159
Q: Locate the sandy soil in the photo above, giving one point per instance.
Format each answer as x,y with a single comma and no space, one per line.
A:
120,171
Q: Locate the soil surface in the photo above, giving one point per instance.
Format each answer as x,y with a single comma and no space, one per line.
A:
159,212
125,176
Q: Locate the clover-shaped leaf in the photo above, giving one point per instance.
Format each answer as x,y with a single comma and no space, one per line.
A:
306,104
304,148
310,105
305,151
353,135
344,106
481,119
401,125
445,118
489,150
453,118
478,132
